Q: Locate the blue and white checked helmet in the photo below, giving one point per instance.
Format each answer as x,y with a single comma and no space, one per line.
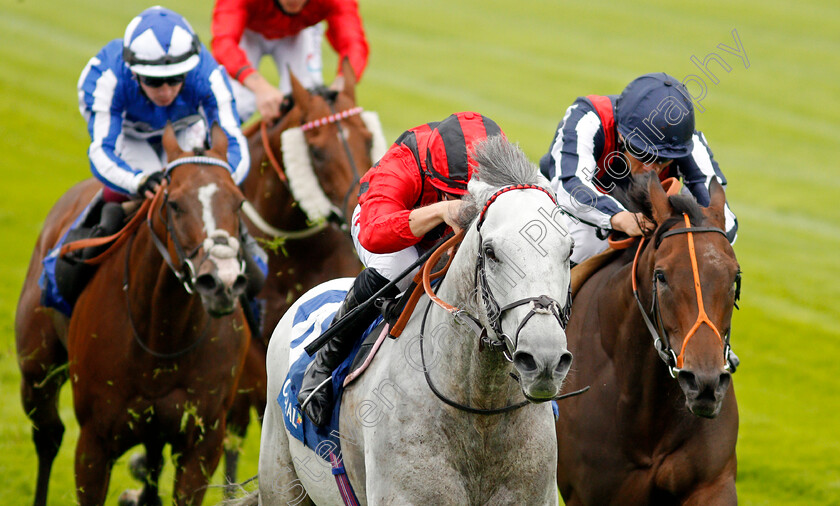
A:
160,43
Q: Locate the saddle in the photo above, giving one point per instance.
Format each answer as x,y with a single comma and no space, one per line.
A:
65,275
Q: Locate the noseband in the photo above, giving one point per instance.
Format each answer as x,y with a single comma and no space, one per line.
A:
542,304
663,346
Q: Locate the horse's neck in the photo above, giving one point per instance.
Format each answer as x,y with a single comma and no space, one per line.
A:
645,387
461,371
161,308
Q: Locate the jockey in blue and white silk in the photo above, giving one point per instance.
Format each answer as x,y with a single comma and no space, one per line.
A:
125,123
654,119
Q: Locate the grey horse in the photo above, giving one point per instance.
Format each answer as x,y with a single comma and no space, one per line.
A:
486,434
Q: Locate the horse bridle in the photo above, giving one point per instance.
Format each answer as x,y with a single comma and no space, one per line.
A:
186,271
663,345
186,274
338,216
336,118
542,304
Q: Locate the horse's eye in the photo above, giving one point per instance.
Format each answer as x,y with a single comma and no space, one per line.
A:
490,253
175,207
660,277
318,155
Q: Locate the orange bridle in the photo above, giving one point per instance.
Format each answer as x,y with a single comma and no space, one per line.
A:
663,347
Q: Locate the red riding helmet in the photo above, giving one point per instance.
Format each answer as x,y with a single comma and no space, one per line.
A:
449,161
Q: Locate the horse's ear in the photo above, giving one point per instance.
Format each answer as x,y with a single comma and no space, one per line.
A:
218,140
662,209
717,200
300,94
170,143
349,79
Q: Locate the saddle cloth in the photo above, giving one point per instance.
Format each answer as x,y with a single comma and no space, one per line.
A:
310,320
50,294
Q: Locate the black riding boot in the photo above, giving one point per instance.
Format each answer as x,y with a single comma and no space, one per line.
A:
256,271
316,386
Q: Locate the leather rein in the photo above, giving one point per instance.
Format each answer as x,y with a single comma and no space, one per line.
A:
339,216
542,304
663,345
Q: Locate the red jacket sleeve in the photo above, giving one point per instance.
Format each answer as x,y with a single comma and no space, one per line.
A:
229,20
346,35
393,188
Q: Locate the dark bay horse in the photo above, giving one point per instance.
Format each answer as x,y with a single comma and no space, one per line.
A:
641,436
303,186
156,341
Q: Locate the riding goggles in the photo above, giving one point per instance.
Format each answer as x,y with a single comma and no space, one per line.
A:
157,82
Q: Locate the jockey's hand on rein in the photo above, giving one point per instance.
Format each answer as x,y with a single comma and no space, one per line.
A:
150,184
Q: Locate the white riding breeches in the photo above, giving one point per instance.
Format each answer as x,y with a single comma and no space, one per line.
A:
143,156
390,265
300,52
587,242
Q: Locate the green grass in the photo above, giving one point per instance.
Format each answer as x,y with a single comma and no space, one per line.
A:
773,127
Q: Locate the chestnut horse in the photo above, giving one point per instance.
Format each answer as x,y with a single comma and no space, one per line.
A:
648,432
303,186
156,340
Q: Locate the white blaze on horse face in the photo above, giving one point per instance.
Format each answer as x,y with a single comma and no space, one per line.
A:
224,256
205,196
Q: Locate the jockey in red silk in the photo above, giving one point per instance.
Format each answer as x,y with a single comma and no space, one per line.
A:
407,201
288,31
603,139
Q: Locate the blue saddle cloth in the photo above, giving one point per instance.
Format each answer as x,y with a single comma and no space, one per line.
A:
310,320
50,296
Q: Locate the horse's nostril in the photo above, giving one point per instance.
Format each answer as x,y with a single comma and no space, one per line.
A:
524,361
723,381
688,381
564,365
239,285
206,283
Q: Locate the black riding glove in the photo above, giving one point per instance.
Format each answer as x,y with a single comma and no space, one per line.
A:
150,183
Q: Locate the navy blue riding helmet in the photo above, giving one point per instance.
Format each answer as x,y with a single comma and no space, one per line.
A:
657,106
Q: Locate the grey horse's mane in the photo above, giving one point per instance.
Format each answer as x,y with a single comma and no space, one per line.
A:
500,163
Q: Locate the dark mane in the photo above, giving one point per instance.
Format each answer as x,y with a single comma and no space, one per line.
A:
635,198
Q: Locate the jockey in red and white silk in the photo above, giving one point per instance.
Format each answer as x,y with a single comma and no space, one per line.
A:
652,123
287,30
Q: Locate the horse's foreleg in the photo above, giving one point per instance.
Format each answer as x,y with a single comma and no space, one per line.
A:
43,365
40,401
720,491
154,465
195,465
93,467
238,419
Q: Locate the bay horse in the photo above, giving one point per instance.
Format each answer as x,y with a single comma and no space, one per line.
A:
648,432
451,425
303,187
156,341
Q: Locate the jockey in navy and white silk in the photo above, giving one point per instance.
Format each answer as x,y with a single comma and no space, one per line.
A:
126,126
652,117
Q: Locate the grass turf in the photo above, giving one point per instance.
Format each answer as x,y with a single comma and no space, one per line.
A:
772,124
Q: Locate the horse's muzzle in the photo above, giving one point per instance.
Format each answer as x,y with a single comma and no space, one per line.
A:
218,297
541,375
704,391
